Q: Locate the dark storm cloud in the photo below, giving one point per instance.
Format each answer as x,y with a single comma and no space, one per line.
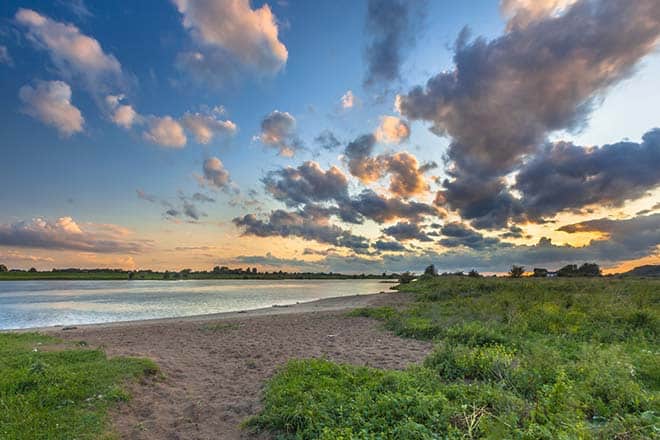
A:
565,176
327,140
392,26
306,183
300,224
513,232
389,246
506,95
406,231
458,234
381,209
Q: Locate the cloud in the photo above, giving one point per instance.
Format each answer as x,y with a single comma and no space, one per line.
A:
406,177
524,12
403,231
278,130
381,209
389,246
506,95
123,115
459,234
231,36
203,198
165,131
12,255
327,140
215,173
392,26
270,260
5,57
145,196
308,226
565,176
50,102
392,130
348,100
306,184
361,164
206,127
65,234
73,53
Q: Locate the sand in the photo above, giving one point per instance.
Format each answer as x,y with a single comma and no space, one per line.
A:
215,366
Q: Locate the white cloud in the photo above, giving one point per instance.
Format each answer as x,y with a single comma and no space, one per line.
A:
215,173
165,131
123,115
392,130
50,102
5,58
348,100
71,51
232,29
205,127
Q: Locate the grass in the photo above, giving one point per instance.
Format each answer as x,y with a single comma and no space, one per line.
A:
51,390
517,359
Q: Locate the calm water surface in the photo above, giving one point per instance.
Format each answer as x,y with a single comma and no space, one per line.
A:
25,304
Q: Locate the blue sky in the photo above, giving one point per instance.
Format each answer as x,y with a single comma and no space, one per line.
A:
93,174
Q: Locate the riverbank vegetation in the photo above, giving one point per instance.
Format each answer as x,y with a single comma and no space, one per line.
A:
521,358
52,390
218,273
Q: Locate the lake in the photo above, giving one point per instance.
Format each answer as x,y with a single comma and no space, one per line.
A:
27,304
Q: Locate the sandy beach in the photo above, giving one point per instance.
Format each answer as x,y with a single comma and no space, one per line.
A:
214,366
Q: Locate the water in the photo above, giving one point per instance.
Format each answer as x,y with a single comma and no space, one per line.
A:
27,304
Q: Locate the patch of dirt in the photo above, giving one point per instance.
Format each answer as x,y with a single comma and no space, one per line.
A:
214,369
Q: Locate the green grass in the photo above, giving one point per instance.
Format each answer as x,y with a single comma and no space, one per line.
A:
518,359
60,391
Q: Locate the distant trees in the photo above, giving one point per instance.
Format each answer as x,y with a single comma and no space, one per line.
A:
540,272
586,270
3,268
474,274
516,271
430,270
406,278
32,270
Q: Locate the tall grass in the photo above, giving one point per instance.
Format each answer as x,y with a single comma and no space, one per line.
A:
523,359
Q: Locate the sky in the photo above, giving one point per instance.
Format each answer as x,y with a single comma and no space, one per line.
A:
346,136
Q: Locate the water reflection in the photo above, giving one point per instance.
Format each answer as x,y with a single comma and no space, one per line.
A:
45,303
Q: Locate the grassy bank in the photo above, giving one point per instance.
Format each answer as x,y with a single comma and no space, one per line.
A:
49,390
526,358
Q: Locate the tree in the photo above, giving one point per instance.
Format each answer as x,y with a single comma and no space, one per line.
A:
430,270
406,278
540,272
570,270
3,268
589,270
516,271
474,274
32,270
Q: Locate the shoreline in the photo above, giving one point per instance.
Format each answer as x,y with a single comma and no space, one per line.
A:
331,304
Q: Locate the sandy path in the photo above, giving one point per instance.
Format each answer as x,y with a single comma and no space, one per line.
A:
215,366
